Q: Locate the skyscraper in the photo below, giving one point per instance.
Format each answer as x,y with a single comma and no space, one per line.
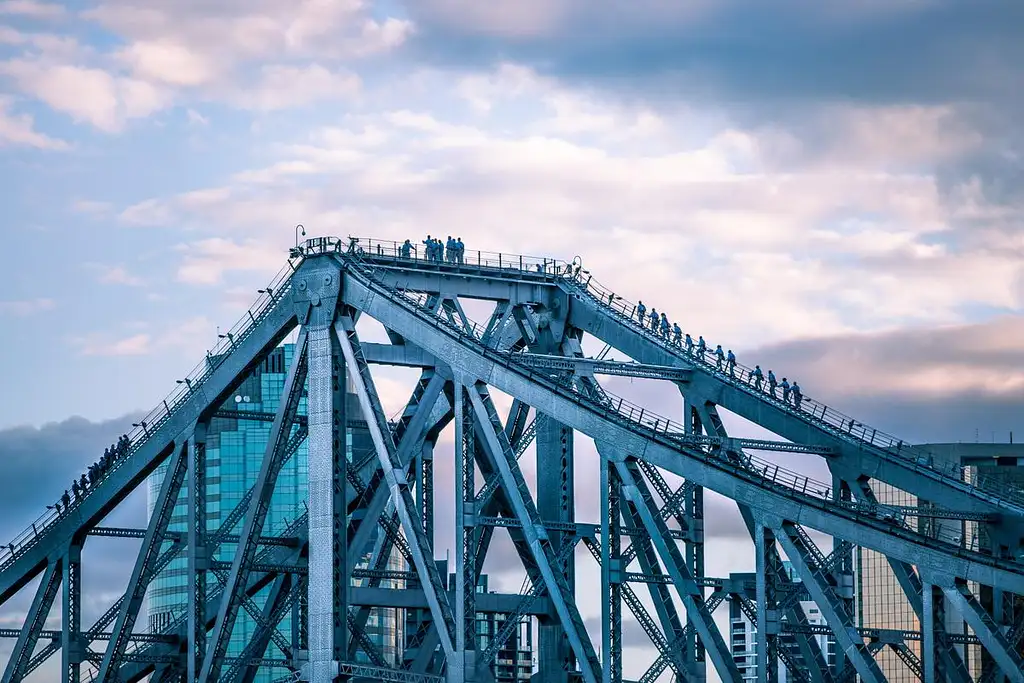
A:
235,446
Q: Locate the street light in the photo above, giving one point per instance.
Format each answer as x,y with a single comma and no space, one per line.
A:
297,229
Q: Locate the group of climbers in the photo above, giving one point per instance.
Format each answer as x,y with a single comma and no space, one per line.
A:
453,250
725,361
96,472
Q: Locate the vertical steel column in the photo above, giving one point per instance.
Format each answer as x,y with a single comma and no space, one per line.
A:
694,654
464,668
328,530
843,571
760,544
928,633
198,559
71,622
611,574
556,501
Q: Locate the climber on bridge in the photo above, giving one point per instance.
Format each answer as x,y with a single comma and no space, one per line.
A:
66,499
797,395
460,251
702,347
654,320
785,390
731,362
641,313
772,383
689,344
665,327
719,357
757,377
677,335
406,249
450,250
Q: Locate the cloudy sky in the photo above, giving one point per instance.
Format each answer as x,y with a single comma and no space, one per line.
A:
834,189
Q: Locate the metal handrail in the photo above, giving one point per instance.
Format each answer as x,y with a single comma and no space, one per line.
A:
762,472
269,297
372,251
825,417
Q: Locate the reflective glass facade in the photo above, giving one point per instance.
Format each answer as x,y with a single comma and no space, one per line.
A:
235,449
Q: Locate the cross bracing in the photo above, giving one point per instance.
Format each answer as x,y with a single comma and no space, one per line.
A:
330,568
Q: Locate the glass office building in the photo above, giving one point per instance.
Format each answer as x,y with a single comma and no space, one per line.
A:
236,443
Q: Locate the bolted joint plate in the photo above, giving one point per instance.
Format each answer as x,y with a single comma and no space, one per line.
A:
315,291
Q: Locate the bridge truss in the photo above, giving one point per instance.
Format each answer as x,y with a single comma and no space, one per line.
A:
648,540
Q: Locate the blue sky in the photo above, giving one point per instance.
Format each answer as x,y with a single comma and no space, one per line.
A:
796,173
831,188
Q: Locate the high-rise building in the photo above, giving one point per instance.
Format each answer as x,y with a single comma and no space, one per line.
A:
743,633
235,446
513,660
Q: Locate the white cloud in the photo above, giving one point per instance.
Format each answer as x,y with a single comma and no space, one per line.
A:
19,129
206,261
115,275
96,345
31,9
196,118
811,246
87,94
91,207
24,307
188,336
282,87
261,56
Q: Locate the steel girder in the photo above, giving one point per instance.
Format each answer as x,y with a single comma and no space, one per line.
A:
256,515
224,373
399,485
500,453
491,449
591,314
704,468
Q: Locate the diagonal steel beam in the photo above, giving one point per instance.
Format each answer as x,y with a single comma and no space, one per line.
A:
988,631
256,515
411,439
644,551
802,552
283,593
198,559
501,454
809,648
146,561
46,593
398,482
639,498
948,660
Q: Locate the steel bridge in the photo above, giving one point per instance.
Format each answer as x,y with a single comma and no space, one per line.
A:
954,552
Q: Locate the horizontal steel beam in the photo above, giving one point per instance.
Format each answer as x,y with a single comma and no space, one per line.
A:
409,598
124,532
254,415
137,637
593,366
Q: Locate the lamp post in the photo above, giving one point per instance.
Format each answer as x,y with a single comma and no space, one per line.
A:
297,229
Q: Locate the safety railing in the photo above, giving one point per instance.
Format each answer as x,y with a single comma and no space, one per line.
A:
762,472
156,418
372,251
380,252
810,409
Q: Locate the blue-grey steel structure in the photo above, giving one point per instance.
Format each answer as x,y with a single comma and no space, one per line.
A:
649,537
